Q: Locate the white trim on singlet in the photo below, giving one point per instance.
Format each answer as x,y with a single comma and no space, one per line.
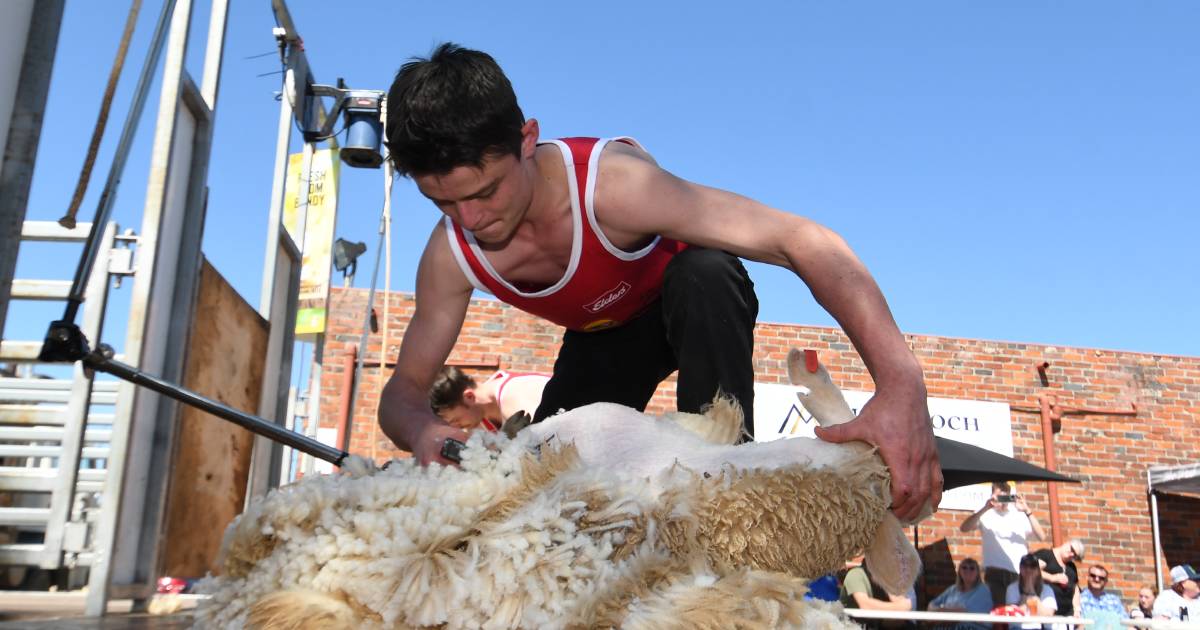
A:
576,235
456,249
589,202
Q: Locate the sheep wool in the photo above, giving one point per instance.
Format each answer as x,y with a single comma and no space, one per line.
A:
568,525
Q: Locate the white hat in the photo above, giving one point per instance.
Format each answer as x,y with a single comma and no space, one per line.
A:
1181,573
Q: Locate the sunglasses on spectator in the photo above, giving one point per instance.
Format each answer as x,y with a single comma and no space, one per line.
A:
1102,578
968,567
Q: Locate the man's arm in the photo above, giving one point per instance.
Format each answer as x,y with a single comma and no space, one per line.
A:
972,522
442,296
1060,579
1034,526
895,602
896,420
1043,557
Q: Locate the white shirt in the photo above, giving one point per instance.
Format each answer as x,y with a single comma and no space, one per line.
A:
1048,605
518,392
1169,602
1005,538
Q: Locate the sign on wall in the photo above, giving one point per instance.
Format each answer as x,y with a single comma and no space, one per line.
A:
779,414
316,238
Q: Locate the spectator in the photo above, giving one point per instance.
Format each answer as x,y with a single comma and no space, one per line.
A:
1059,571
859,590
456,398
1029,591
1144,608
968,594
1102,606
1182,596
1005,537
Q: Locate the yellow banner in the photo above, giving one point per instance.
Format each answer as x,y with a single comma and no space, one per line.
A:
315,238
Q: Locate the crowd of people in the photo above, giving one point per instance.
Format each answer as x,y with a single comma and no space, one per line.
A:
1046,582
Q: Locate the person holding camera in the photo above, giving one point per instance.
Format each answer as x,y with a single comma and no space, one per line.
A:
1006,523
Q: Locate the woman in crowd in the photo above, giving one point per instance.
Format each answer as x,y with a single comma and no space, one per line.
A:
1029,592
1144,607
968,594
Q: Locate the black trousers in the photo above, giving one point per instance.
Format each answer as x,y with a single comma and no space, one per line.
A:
702,325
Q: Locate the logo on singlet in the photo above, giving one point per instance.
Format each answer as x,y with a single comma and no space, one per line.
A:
609,297
599,324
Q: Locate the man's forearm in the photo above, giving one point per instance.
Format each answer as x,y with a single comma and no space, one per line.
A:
972,521
1036,526
400,418
841,283
866,602
1051,578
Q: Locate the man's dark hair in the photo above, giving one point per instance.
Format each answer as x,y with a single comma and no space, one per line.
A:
450,110
447,389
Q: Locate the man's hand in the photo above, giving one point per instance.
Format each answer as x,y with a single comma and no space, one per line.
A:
898,424
427,447
1021,505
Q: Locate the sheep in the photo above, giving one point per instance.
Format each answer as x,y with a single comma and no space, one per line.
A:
598,517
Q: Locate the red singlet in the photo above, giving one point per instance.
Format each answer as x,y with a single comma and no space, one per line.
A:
603,286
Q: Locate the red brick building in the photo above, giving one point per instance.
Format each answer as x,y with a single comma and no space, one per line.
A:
1109,454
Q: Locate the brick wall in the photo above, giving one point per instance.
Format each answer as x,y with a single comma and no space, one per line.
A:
1109,454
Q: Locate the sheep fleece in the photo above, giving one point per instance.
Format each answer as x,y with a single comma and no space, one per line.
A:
530,534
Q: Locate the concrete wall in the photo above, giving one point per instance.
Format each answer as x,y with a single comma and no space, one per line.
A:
1109,454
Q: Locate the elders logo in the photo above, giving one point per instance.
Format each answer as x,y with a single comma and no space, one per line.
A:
610,296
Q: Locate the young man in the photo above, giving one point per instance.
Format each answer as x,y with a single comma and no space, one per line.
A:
457,399
640,266
1006,533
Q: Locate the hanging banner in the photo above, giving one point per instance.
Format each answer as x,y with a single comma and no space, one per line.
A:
315,237
779,414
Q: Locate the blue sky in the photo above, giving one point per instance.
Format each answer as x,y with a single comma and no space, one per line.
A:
1019,171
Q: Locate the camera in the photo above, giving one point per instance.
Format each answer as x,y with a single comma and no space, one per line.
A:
1006,498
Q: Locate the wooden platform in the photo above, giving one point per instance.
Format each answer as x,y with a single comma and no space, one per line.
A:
40,610
128,621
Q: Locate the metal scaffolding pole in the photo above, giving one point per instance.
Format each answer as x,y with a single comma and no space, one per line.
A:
24,133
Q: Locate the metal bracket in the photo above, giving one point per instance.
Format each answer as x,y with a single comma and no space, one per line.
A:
64,343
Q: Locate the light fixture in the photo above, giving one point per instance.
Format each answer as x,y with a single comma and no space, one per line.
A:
345,256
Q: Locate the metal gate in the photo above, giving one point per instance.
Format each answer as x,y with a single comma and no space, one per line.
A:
55,432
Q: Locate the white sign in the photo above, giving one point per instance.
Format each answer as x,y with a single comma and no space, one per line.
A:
778,414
